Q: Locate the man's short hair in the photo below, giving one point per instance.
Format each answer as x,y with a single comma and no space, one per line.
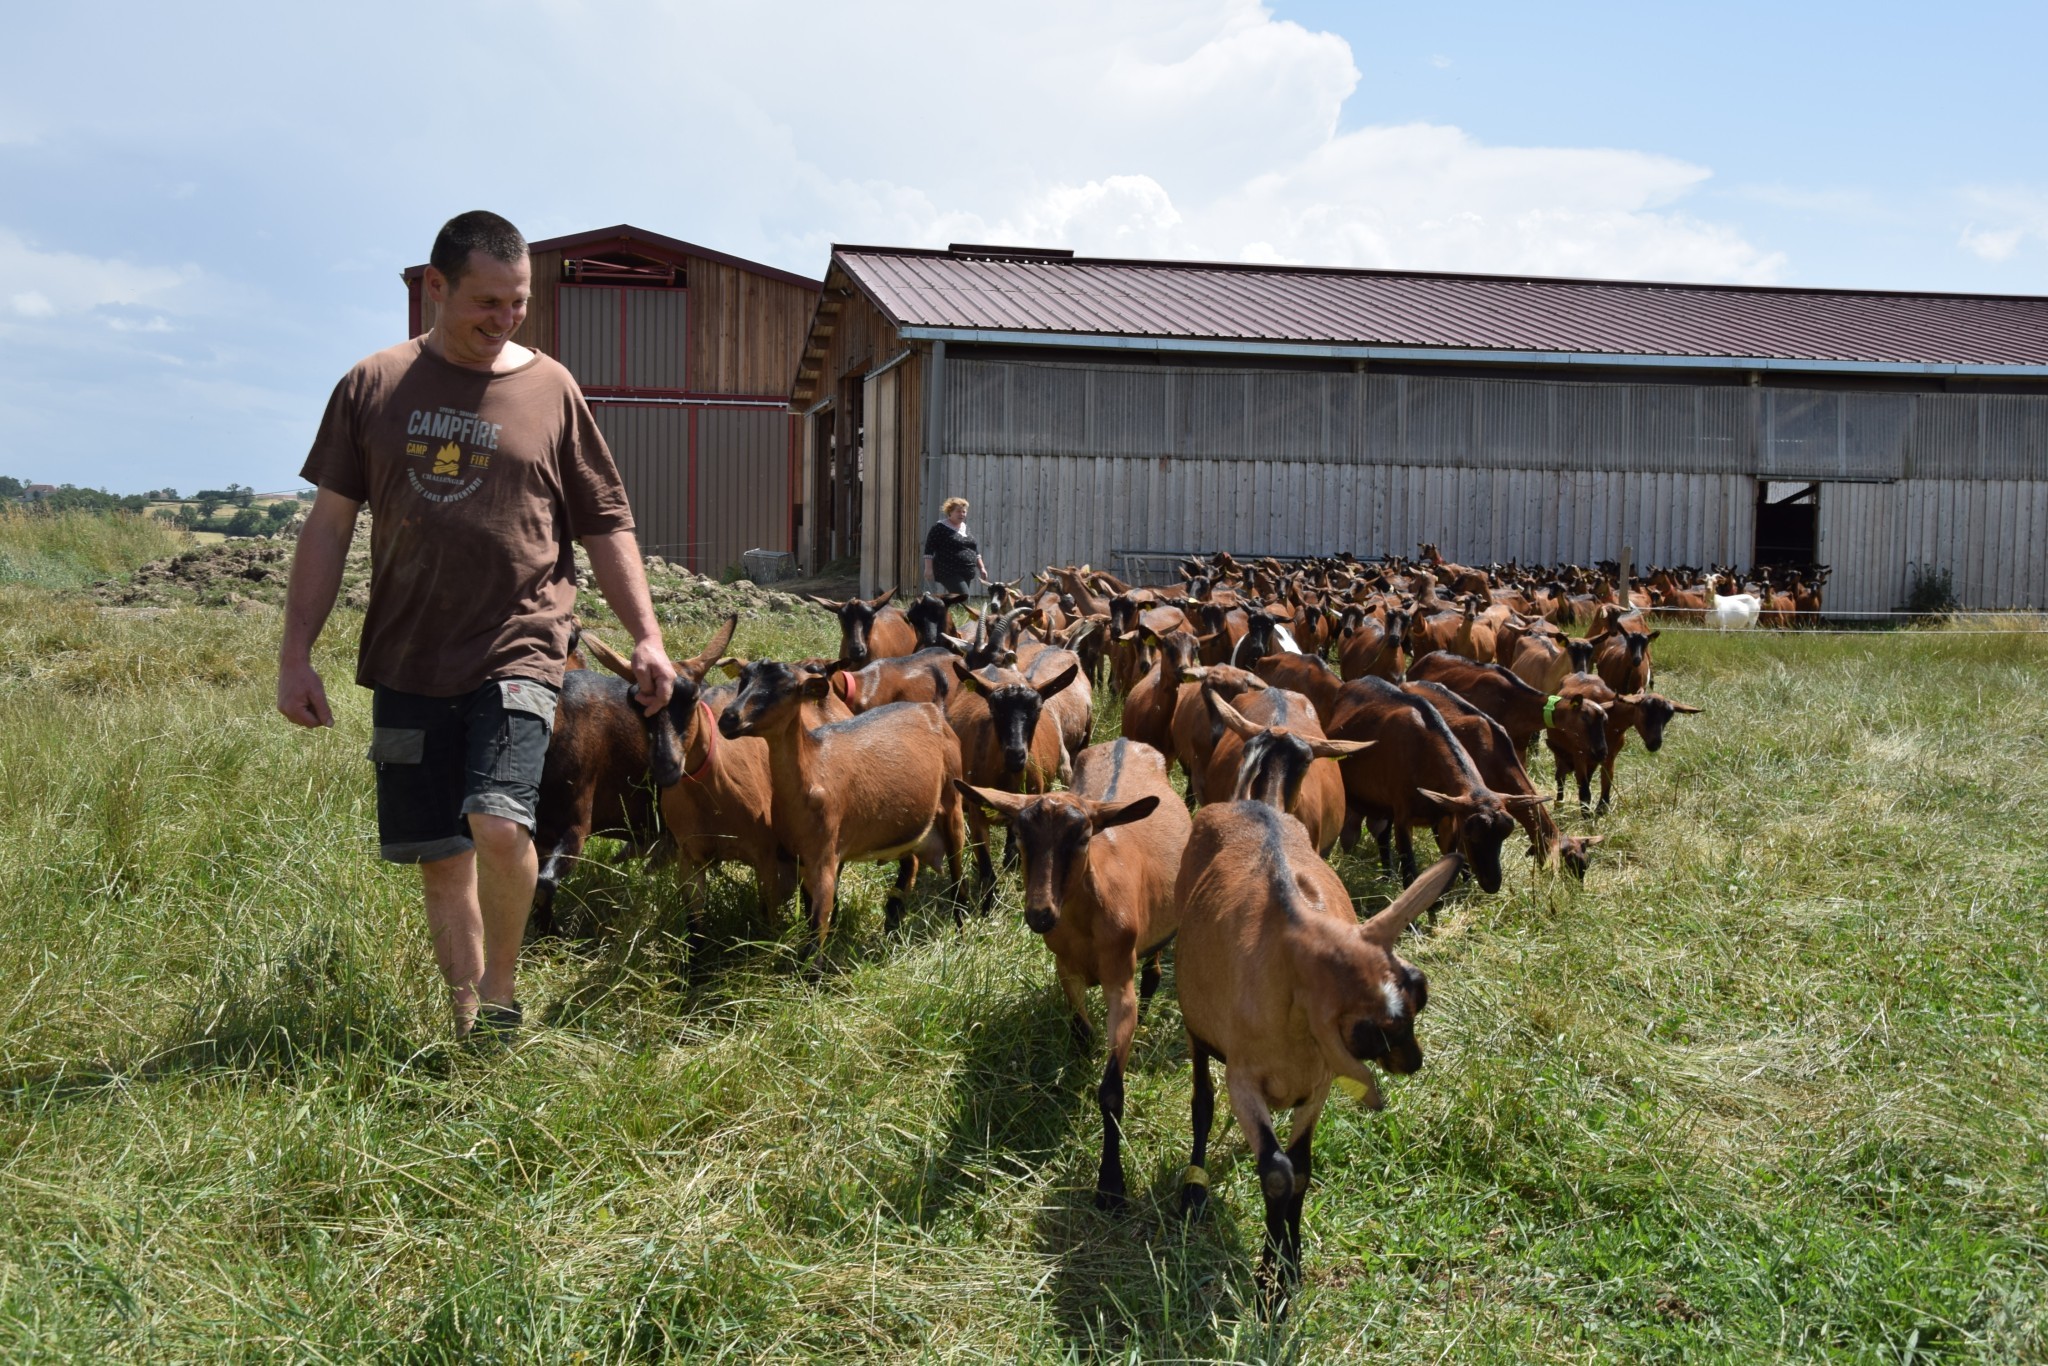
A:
478,230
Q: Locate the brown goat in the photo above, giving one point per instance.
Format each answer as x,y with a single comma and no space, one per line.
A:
871,629
1420,775
1196,729
1100,862
1149,706
1644,712
1622,659
876,788
926,676
1009,740
1279,981
1521,710
1274,751
1500,763
1544,659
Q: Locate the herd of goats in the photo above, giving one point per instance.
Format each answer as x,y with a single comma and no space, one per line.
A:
914,740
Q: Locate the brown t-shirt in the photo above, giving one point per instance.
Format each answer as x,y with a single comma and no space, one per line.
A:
478,485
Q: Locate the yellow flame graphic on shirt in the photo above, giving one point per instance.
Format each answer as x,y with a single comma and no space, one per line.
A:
448,460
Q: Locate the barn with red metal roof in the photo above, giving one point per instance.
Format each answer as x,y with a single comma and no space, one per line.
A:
1092,408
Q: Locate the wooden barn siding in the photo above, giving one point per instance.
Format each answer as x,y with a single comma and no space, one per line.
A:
746,330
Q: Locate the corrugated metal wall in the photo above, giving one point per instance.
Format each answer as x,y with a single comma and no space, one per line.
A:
588,319
657,323
743,492
1036,510
651,444
1067,463
1033,408
742,478
655,336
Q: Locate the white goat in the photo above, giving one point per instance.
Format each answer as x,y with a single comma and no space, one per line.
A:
1739,611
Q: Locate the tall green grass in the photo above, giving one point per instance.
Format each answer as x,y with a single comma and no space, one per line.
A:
1769,1086
74,548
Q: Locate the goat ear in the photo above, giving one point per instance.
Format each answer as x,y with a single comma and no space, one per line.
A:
1653,635
1339,749
1230,716
1522,800
607,656
815,686
1590,840
1385,928
964,674
1194,673
1066,676
1634,699
826,603
731,666
719,640
1451,805
1107,814
1684,710
1005,805
954,643
952,599
1254,683
878,603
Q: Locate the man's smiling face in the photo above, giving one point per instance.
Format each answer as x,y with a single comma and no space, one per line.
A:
480,311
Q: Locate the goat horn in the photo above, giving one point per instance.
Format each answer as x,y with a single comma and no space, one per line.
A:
1385,928
710,653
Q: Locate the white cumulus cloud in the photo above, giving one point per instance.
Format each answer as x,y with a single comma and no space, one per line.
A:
44,284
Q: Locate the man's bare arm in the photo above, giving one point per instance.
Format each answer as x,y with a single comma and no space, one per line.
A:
615,559
315,582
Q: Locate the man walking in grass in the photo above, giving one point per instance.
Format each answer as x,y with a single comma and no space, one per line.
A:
480,461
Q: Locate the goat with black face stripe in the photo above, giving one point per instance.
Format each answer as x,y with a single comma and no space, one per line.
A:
877,788
1099,869
1280,982
1009,740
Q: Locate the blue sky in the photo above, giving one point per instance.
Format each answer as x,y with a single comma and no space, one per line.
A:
203,210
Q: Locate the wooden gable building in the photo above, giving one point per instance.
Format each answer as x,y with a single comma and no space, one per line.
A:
685,354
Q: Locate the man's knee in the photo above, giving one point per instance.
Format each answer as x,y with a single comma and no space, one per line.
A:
497,837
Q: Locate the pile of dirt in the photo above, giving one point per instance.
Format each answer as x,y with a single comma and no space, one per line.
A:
243,571
252,572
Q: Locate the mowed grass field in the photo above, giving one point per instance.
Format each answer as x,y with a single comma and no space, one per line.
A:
1769,1086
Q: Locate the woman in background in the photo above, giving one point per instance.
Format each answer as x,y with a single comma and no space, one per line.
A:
952,557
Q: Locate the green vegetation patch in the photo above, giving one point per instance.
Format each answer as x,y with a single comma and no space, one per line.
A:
1768,1086
72,548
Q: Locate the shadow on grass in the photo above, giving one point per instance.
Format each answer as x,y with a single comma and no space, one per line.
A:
1016,1096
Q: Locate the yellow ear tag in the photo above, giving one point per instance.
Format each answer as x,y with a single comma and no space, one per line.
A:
1352,1087
1194,1176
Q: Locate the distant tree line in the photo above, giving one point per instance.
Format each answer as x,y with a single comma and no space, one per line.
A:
200,512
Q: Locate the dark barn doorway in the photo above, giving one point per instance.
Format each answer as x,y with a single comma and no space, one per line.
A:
1787,524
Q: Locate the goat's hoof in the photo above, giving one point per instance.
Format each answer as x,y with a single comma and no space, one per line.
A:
1110,1201
1194,1201
1081,1033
